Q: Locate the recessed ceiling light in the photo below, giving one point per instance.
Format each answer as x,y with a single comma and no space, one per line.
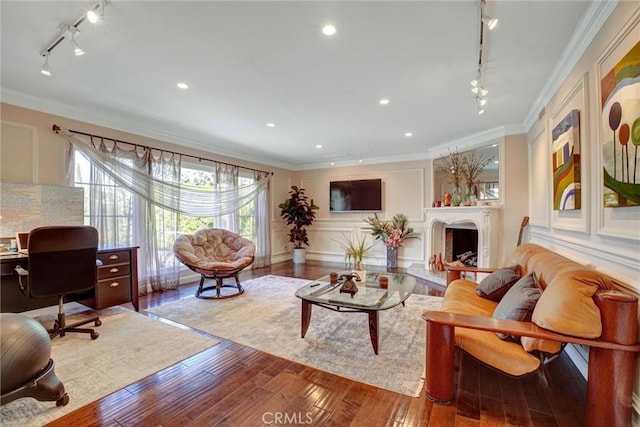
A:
271,125
383,101
328,30
318,145
408,134
182,85
333,163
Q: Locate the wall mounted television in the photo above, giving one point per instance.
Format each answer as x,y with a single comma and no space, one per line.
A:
355,195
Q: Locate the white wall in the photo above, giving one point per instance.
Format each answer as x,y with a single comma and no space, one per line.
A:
606,238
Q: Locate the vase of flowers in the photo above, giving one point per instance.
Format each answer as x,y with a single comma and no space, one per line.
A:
453,167
473,167
393,234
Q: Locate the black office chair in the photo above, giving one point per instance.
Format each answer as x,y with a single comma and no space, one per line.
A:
62,261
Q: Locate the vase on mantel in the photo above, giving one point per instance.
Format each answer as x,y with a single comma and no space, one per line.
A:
470,194
392,259
456,195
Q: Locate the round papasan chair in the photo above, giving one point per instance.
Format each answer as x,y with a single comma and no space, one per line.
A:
215,253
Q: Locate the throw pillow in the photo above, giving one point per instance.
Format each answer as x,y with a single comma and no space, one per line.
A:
518,303
495,285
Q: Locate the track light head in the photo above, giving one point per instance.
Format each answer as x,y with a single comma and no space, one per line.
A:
92,16
77,50
491,22
96,13
46,69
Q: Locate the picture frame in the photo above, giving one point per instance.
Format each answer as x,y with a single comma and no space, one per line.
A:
614,221
572,107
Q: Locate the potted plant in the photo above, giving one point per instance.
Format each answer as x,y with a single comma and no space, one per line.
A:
357,250
298,211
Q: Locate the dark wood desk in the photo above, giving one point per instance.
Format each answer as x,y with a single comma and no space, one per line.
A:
117,282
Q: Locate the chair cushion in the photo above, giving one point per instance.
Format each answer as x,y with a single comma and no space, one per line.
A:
214,249
485,346
567,305
518,303
495,285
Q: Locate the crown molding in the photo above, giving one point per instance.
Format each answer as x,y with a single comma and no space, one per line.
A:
587,29
465,143
99,119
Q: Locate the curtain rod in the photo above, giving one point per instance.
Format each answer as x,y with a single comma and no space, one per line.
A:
57,129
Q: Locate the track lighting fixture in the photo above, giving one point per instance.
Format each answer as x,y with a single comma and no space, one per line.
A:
477,87
70,31
46,69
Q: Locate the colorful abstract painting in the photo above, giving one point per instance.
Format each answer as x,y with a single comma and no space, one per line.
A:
566,162
620,90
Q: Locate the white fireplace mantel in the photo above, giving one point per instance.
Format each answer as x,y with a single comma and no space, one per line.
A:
484,218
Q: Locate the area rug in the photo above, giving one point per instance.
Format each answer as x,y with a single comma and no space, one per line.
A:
131,346
267,317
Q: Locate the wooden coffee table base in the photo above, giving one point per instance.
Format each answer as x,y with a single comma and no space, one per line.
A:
373,320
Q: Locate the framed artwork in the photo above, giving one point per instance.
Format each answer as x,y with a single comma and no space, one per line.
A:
565,154
620,131
617,80
568,181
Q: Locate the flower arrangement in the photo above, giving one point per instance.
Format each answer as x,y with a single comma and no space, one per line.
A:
392,233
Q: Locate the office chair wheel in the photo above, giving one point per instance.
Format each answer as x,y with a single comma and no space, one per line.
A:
98,322
63,400
94,335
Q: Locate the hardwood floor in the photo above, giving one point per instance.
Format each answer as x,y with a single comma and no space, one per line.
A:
233,385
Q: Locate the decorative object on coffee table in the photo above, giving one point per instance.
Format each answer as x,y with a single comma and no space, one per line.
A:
356,249
349,284
383,281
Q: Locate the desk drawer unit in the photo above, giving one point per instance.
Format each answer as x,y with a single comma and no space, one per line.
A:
115,278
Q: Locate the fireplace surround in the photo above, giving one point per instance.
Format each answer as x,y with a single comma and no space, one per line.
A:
484,219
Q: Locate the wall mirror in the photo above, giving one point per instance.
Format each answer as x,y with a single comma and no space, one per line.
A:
488,182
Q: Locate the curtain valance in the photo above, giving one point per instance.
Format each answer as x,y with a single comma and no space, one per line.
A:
179,198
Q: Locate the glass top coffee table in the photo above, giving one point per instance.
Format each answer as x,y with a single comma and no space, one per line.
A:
370,298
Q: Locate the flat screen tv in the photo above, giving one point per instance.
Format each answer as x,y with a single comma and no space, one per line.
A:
358,195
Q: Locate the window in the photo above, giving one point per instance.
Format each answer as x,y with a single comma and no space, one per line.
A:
242,221
119,208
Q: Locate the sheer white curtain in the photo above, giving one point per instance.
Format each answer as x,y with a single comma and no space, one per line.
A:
263,221
120,172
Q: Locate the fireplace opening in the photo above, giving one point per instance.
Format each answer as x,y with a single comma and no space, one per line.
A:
461,244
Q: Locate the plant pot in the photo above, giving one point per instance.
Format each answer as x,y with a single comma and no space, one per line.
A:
362,274
299,255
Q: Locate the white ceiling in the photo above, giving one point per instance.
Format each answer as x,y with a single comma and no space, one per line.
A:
249,63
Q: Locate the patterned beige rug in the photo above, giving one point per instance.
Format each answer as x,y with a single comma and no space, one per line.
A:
267,317
131,346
